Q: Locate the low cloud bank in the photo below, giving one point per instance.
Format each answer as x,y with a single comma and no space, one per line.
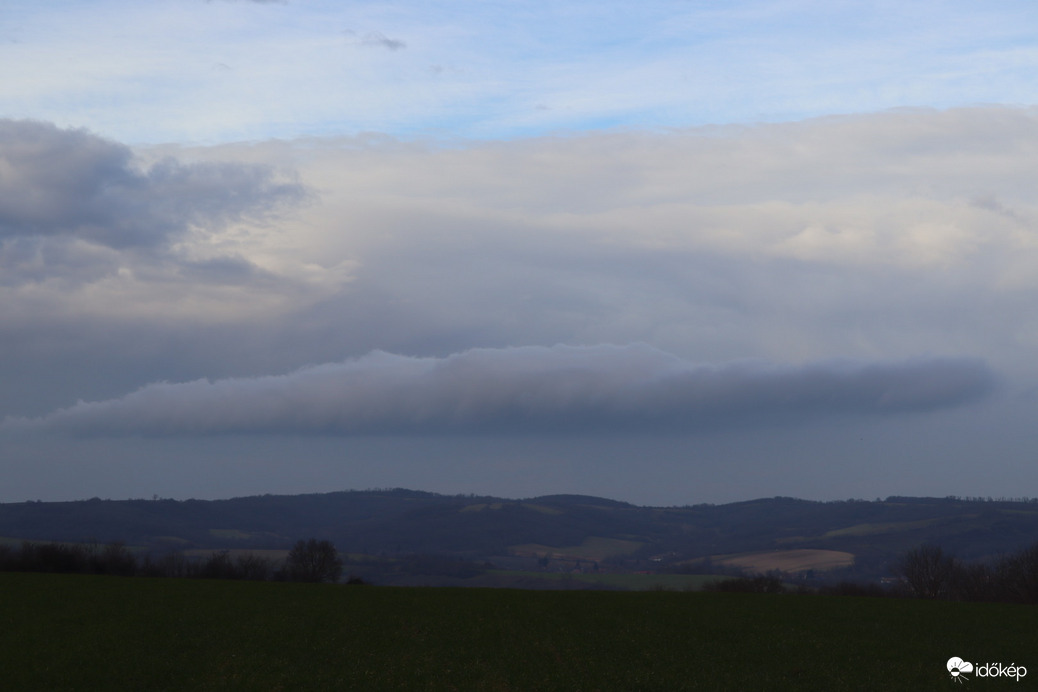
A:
557,389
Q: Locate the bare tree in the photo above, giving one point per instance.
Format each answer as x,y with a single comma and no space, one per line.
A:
314,561
928,571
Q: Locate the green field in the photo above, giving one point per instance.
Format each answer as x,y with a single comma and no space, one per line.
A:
60,632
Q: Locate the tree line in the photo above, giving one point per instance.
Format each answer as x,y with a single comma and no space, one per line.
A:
929,572
309,560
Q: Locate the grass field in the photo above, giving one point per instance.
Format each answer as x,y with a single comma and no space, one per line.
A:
61,632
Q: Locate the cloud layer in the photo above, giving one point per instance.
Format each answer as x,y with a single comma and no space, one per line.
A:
531,389
87,225
268,185
72,184
786,273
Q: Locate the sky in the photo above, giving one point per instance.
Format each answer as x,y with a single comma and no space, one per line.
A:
668,252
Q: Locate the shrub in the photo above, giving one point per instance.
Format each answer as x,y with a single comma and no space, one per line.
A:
761,583
849,588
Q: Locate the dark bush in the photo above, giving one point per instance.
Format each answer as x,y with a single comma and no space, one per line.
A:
114,558
761,583
1016,576
52,557
254,567
218,566
973,582
849,588
174,565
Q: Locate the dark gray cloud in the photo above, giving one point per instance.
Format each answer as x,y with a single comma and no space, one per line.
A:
73,184
561,389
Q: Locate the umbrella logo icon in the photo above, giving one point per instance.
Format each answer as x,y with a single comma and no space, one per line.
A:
957,667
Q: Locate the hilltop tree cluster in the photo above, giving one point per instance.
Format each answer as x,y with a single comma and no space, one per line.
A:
308,561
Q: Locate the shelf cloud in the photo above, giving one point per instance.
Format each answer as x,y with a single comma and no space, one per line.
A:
532,389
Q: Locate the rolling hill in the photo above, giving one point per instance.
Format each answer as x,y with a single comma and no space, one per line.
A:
560,532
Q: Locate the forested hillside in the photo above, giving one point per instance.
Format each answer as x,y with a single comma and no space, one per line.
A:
404,522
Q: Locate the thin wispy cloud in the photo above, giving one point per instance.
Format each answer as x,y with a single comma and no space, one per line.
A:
656,64
380,40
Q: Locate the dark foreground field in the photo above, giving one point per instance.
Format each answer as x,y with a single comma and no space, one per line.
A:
61,632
